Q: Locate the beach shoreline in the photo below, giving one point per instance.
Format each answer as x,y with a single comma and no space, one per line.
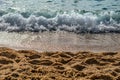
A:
61,41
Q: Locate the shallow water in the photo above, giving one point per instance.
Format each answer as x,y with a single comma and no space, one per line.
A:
61,41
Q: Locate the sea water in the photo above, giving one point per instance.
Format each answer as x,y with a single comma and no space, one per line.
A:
98,18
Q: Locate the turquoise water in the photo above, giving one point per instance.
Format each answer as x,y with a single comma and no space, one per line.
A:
78,16
57,5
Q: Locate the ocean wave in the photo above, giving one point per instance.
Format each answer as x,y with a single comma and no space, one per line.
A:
82,22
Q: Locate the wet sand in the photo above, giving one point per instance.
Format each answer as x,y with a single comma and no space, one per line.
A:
33,65
61,41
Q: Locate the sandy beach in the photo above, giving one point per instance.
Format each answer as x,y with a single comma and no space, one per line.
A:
33,65
59,39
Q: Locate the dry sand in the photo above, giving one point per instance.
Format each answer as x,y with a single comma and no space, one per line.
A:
32,65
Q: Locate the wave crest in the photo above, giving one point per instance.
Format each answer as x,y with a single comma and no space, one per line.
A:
73,22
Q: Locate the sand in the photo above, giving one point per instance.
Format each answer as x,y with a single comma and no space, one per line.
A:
32,65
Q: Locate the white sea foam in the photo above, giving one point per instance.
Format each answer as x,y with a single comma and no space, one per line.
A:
72,22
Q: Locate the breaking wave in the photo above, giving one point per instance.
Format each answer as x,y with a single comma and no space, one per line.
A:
87,22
